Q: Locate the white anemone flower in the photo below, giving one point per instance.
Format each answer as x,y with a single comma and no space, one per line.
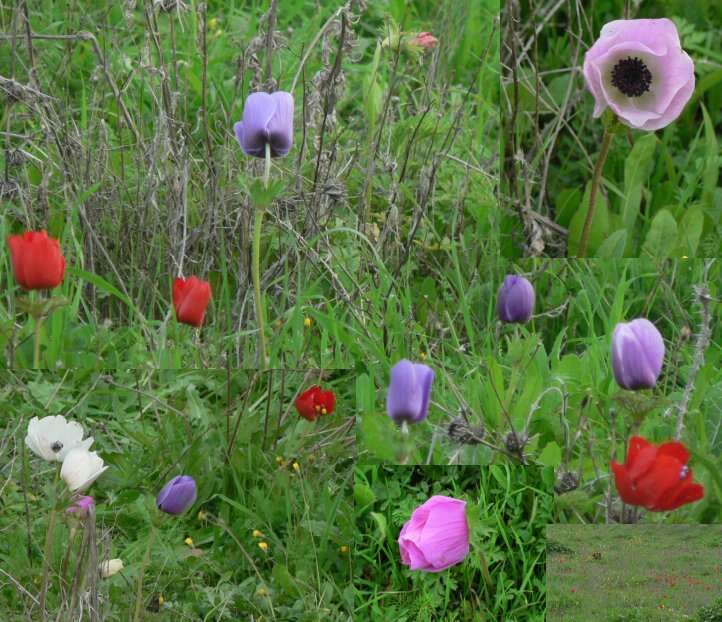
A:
53,437
109,567
81,468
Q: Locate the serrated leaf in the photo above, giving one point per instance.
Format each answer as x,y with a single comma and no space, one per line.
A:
551,455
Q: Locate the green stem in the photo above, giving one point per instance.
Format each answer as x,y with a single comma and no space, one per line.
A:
596,178
256,265
36,351
485,573
139,589
47,551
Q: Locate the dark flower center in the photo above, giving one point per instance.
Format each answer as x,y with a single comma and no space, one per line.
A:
631,76
56,446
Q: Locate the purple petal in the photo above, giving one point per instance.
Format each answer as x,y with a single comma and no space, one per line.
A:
515,301
267,118
637,354
409,391
177,495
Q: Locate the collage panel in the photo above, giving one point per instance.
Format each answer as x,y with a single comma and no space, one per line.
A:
451,543
338,311
144,222
612,127
591,367
176,495
634,573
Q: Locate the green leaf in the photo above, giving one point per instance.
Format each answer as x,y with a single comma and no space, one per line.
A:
690,232
380,520
614,245
283,577
600,224
712,160
551,455
378,433
363,495
662,235
637,168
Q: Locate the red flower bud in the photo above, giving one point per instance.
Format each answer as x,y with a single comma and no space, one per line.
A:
38,262
190,299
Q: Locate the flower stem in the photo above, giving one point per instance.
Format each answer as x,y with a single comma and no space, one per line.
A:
139,589
47,551
596,178
485,573
256,265
36,351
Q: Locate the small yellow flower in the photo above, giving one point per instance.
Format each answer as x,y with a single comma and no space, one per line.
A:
189,541
263,546
213,23
307,322
257,534
296,466
279,460
324,411
422,356
161,600
344,549
202,515
262,591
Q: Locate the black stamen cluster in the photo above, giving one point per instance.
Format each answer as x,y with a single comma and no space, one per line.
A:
631,76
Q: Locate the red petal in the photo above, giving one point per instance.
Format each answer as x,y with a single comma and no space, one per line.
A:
625,485
306,404
675,450
327,400
636,445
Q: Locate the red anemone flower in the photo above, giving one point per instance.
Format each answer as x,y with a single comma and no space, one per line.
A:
315,402
656,476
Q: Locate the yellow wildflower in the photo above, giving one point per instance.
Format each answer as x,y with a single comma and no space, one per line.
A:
307,322
263,546
189,541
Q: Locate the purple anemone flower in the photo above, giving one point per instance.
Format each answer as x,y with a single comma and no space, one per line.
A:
267,118
409,391
637,354
177,495
638,68
515,302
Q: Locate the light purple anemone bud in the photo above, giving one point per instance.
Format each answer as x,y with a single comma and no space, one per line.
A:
81,506
638,68
637,354
267,118
177,495
515,302
409,391
436,536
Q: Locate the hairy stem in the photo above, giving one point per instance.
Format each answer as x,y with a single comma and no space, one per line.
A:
36,350
137,616
256,266
47,551
596,179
